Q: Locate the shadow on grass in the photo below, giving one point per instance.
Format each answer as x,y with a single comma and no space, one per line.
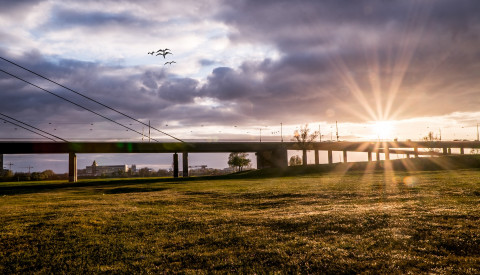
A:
406,165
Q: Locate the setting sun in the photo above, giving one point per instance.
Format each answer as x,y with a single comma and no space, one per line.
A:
383,129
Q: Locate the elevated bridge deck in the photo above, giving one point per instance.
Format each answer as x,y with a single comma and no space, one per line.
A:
269,154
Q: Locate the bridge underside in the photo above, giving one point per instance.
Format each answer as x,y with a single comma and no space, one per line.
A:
269,154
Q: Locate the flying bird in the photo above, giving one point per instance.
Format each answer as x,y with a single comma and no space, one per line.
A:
152,52
164,53
169,63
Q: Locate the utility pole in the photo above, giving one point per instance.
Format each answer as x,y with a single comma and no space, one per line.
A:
261,132
477,133
319,133
29,167
281,131
336,125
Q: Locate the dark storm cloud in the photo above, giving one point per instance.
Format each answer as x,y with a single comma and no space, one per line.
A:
67,18
104,84
206,62
422,55
226,84
10,6
179,91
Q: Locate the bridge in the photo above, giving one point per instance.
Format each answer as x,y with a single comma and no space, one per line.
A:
269,154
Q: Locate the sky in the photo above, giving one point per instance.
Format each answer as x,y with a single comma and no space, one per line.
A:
380,69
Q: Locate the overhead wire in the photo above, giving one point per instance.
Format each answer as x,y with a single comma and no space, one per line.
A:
89,98
78,105
30,130
32,127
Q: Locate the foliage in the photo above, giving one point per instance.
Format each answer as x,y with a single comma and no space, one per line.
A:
401,223
431,138
238,160
295,161
303,137
36,176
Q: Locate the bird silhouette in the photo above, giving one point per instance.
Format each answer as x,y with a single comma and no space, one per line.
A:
169,63
151,52
164,54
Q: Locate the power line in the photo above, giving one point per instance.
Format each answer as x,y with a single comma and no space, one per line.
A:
32,127
89,98
27,129
78,105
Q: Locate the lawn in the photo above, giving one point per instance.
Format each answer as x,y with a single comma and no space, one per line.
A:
396,222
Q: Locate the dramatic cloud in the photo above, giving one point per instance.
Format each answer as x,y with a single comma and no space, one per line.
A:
244,63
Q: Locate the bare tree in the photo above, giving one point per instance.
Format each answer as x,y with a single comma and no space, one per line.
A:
304,139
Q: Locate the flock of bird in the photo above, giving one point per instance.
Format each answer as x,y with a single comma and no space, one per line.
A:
163,52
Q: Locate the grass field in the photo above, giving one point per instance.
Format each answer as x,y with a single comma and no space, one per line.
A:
420,222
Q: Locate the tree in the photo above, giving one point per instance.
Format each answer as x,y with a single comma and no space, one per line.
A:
431,138
304,139
295,161
238,160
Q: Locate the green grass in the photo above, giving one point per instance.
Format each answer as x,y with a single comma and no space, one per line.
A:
394,222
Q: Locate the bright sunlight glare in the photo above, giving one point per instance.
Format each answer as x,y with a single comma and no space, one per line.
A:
383,129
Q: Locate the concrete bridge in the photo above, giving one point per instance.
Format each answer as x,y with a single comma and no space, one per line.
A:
269,154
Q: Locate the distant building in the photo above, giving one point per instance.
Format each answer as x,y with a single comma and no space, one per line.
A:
98,170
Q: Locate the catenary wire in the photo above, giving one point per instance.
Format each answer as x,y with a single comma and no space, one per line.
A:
89,98
30,130
78,105
32,127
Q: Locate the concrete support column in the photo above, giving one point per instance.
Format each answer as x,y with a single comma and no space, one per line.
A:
444,150
462,151
185,164
175,165
369,154
408,156
317,158
415,149
281,158
345,156
277,158
449,151
387,153
304,157
72,167
377,155
330,157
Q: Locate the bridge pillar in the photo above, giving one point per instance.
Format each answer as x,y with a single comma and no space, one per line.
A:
277,158
317,158
444,151
462,151
345,156
1,162
415,150
185,164
377,155
175,165
387,153
330,157
304,157
449,151
72,167
408,155
369,154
